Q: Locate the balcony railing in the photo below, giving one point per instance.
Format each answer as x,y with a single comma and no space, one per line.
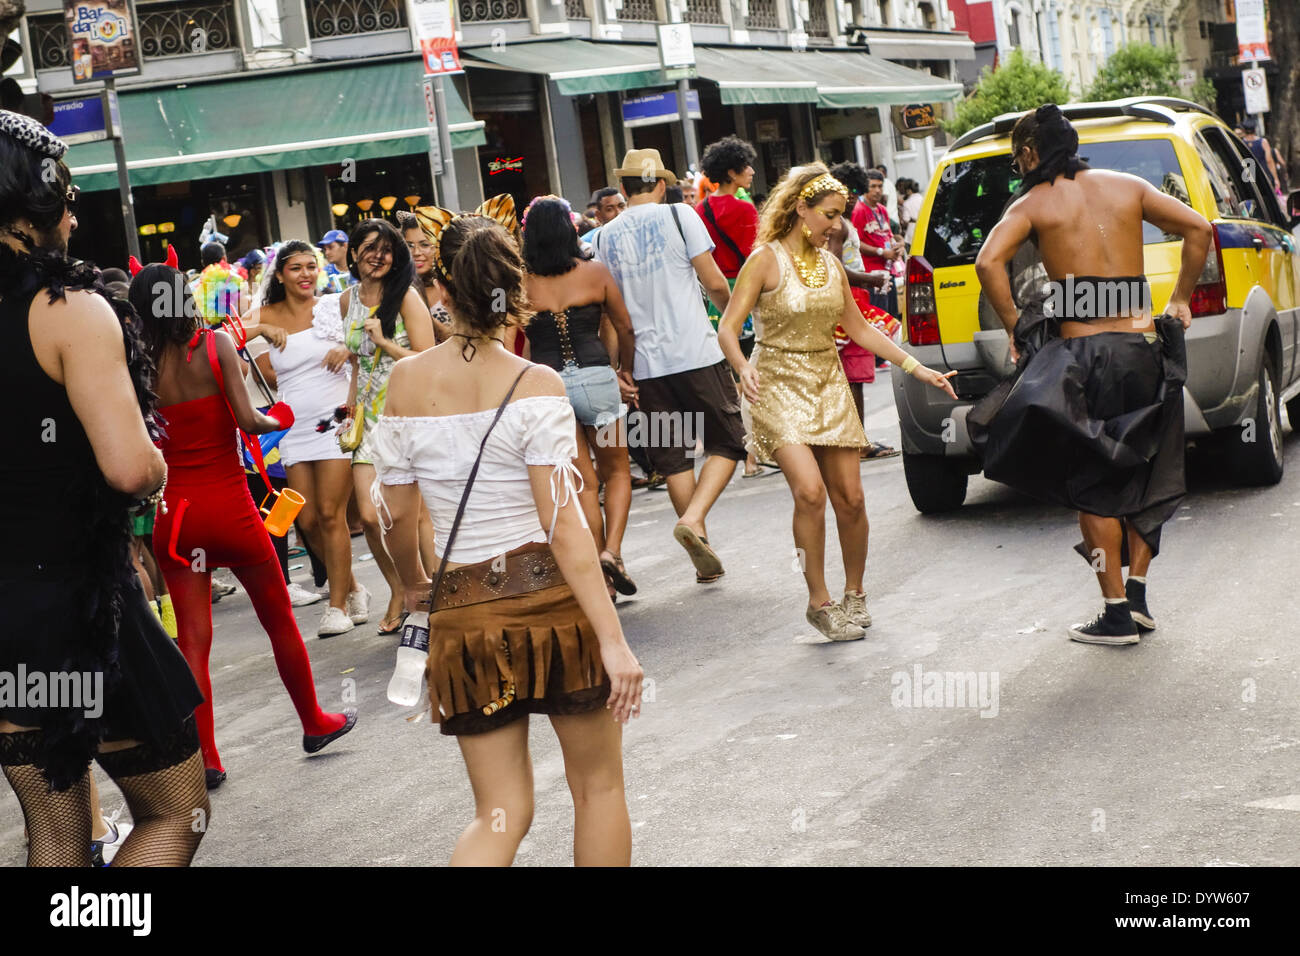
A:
180,29
49,41
817,25
763,15
340,18
481,11
576,10
703,11
639,10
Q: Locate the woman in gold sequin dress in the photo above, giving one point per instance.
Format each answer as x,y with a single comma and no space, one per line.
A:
794,386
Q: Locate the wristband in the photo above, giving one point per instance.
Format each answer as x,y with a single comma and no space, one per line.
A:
909,363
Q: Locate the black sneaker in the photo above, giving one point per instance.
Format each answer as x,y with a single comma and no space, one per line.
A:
1136,592
1114,625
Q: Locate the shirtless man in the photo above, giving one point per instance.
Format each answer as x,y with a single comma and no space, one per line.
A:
1087,225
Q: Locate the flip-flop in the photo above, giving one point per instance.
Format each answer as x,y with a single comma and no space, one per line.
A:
707,564
875,450
396,627
617,574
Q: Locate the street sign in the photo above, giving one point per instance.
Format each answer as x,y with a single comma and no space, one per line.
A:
436,31
1252,32
658,108
435,135
676,48
102,39
81,120
1255,85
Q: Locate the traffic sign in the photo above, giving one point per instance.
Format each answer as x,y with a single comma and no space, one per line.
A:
1255,85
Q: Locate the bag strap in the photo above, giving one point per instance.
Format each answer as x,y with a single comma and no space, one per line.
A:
731,243
469,483
680,231
254,447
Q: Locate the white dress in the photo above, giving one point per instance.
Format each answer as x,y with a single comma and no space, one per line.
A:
310,389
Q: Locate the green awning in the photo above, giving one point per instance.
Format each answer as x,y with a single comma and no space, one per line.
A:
831,79
853,80
747,76
283,121
576,66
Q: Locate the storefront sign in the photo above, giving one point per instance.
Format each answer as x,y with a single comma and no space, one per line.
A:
1255,85
767,131
677,51
1252,32
87,119
505,164
436,31
435,141
101,39
845,124
916,120
658,108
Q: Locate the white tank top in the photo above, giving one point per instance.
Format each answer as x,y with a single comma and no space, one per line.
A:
851,253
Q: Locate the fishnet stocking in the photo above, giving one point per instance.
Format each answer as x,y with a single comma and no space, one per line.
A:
169,806
170,809
58,822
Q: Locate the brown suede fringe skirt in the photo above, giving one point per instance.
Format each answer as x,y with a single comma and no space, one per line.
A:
507,639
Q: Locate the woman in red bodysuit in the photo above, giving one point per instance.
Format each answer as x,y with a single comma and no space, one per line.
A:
211,520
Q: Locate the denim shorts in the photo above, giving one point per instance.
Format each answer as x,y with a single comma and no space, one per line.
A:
593,393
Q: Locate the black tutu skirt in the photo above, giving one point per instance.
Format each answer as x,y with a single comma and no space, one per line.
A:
1094,423
147,697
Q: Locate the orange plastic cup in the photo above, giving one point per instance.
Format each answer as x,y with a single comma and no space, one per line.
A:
280,516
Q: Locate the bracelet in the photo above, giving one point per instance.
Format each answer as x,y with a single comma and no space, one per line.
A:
144,505
909,363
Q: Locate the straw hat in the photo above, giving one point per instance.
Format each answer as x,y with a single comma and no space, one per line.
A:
646,164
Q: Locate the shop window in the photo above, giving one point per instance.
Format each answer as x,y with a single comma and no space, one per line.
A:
479,11
180,29
762,15
1013,30
703,11
928,18
336,18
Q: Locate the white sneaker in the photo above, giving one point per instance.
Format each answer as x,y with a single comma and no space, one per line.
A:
299,596
334,621
359,605
118,832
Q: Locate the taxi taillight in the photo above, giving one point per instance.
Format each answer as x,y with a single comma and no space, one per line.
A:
922,317
1210,297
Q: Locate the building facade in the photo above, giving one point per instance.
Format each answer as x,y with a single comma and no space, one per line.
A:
285,118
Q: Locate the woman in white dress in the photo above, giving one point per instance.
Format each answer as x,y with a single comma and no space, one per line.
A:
315,465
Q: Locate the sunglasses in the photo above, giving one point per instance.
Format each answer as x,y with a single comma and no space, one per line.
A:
71,197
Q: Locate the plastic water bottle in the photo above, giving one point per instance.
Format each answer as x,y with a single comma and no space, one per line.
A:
407,686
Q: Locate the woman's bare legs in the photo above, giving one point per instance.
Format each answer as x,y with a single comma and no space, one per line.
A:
613,469
501,775
592,744
363,476
802,474
326,524
589,497
839,469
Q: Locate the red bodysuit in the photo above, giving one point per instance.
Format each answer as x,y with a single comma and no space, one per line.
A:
211,522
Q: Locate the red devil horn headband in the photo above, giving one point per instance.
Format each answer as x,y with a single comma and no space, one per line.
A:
134,265
171,257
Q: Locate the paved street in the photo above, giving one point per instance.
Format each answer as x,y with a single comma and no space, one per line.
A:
764,745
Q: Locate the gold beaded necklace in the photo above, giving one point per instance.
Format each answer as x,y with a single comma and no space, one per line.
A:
814,277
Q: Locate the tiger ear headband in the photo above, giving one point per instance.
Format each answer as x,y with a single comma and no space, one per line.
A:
434,219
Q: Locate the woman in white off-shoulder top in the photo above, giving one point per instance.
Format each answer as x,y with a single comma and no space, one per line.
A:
521,622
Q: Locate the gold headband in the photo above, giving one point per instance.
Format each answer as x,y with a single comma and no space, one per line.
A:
825,183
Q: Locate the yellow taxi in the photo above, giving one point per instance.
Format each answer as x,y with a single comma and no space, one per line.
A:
1241,347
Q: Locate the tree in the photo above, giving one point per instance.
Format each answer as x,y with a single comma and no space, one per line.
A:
1138,69
1284,46
1015,86
1204,91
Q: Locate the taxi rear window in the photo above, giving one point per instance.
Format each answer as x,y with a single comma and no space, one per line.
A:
972,194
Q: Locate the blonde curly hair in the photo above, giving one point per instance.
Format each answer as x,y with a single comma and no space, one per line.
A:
779,215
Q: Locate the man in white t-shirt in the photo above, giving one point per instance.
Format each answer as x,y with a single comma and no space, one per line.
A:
660,255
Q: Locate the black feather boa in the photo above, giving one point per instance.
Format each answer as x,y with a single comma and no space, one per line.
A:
69,738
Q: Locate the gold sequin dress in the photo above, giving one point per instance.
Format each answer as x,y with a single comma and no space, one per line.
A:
803,395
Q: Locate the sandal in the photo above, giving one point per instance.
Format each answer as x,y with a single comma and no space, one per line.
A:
708,566
874,450
385,627
617,574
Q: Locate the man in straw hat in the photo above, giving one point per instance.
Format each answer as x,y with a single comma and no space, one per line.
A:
660,255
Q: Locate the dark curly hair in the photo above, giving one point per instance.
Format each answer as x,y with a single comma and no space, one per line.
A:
400,276
728,153
167,312
485,284
550,241
275,286
851,175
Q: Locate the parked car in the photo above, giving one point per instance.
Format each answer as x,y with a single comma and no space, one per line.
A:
1241,347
